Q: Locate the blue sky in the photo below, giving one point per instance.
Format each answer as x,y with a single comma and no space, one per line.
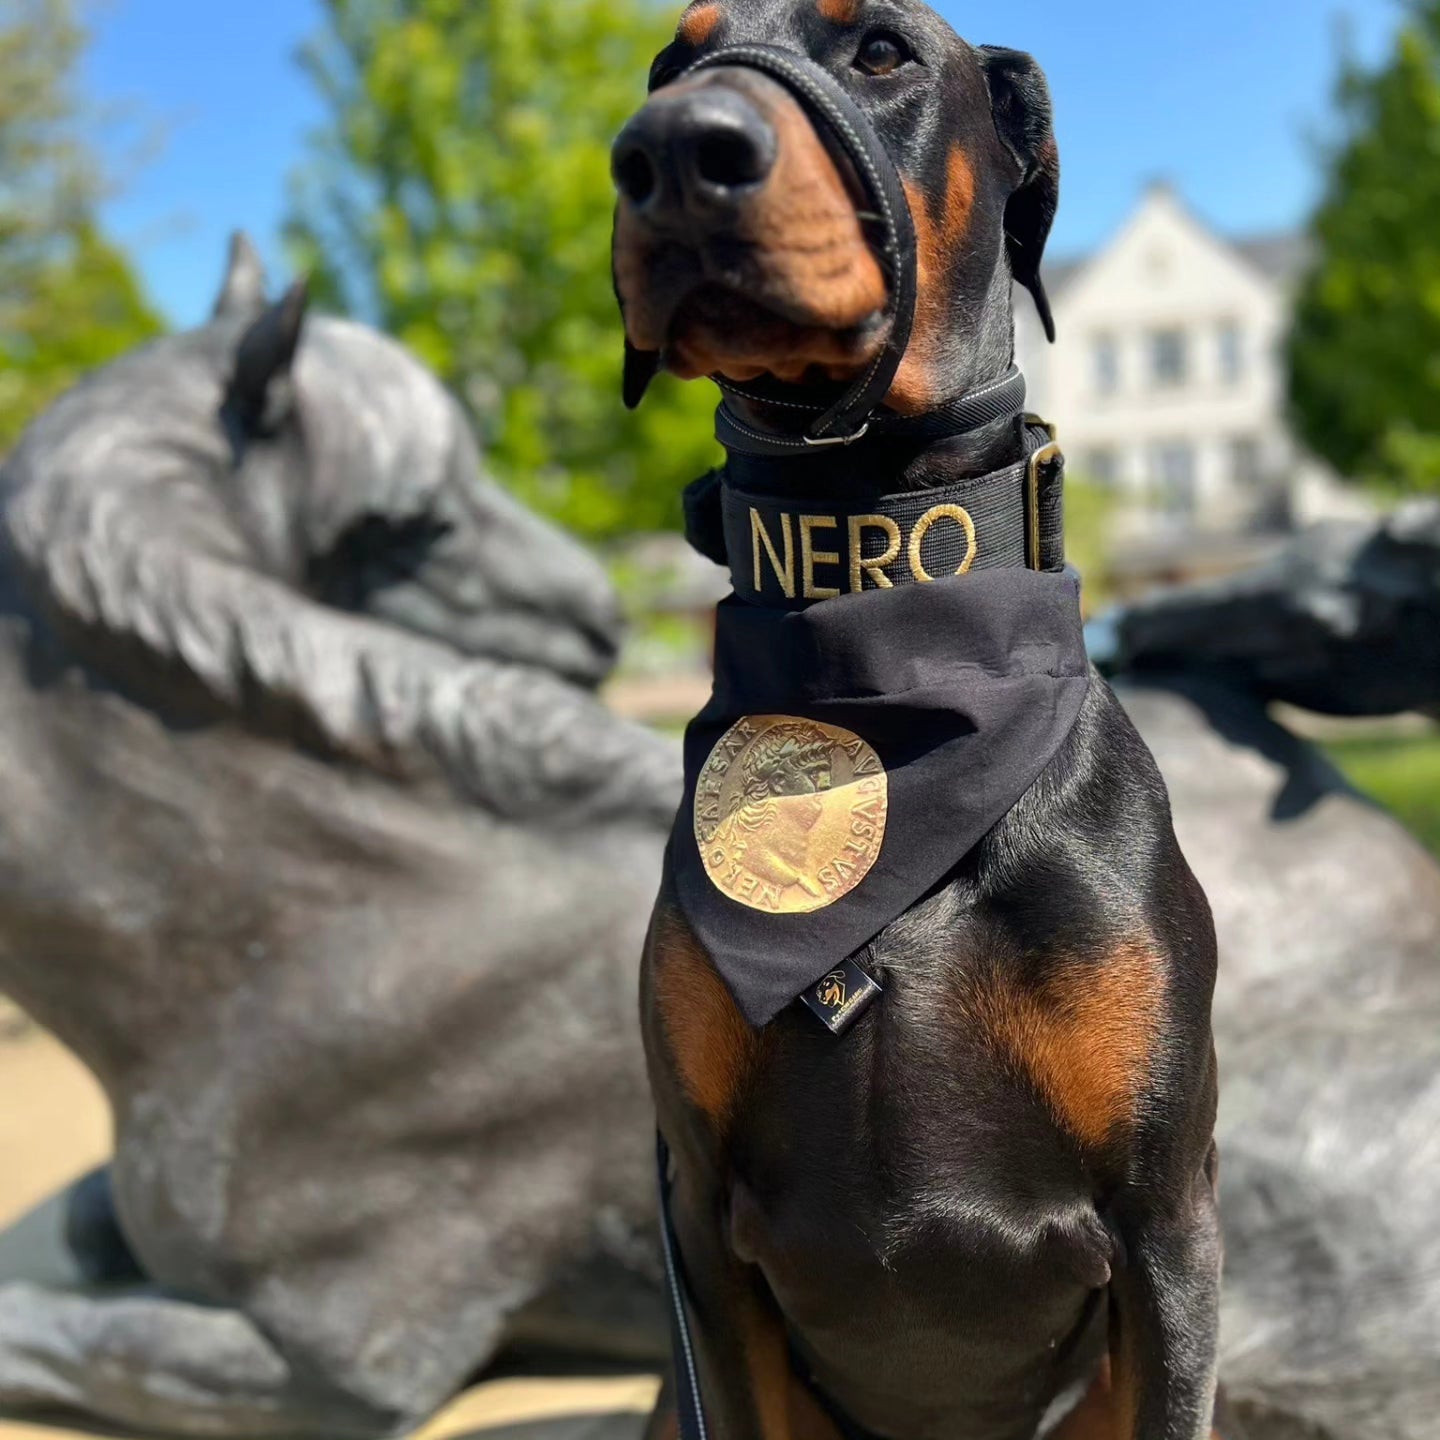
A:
1222,98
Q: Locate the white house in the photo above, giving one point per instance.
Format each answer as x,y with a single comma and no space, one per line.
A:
1167,378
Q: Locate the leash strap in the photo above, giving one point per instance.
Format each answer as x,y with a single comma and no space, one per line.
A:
690,1412
1010,518
842,125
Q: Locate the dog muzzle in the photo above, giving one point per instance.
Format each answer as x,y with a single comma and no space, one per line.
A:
857,409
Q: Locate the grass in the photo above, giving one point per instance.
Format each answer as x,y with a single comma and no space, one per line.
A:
1402,774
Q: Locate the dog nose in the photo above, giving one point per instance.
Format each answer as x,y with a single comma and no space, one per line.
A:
696,148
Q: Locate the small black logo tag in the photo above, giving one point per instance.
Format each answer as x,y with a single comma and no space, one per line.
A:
841,996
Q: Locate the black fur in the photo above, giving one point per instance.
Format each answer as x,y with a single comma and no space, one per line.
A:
947,1258
1020,99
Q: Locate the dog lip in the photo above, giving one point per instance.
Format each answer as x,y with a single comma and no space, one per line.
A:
707,333
725,266
688,307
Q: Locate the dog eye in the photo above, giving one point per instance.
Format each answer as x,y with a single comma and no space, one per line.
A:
881,52
663,71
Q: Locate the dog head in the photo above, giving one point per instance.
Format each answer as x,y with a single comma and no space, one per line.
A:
743,237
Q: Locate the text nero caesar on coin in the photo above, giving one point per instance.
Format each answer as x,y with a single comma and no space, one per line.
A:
790,813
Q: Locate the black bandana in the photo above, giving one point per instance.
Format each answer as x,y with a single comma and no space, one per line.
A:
861,747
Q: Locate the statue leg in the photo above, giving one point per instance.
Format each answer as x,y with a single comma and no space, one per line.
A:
154,1363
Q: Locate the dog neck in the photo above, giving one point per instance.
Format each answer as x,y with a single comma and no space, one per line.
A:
802,525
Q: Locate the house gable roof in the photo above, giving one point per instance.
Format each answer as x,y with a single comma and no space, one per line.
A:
1279,256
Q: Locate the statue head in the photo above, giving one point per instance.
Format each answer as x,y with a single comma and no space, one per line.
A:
322,454
286,519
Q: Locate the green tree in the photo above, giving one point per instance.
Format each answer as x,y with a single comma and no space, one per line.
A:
1365,349
459,196
68,299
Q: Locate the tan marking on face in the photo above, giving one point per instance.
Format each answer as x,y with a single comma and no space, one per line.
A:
1084,1038
959,198
816,261
940,229
712,1046
840,12
698,23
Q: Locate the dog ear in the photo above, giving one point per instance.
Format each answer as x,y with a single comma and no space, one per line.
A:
1024,120
640,369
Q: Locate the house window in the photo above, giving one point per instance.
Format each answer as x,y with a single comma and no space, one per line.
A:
1169,358
1232,353
1172,465
1105,357
1101,465
1245,460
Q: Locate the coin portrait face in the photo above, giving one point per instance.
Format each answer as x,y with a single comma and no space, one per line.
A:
790,813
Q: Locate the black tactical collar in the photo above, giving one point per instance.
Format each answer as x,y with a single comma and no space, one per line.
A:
787,552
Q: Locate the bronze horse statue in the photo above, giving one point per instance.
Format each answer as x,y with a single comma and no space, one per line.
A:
317,849
1327,1012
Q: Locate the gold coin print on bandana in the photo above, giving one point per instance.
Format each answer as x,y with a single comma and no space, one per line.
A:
789,813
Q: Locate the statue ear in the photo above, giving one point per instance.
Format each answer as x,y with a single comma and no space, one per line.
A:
259,395
1024,120
243,292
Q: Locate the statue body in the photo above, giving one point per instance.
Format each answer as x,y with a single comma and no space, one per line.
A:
1327,1009
1327,1025
318,850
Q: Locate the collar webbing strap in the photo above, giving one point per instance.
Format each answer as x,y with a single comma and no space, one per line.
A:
787,552
1001,399
843,126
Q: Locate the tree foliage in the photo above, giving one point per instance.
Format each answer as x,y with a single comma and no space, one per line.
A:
69,300
459,196
1365,350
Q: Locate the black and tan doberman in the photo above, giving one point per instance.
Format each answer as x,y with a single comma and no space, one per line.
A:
987,1211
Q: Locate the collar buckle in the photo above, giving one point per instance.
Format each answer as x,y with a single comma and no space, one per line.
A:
819,442
1039,463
